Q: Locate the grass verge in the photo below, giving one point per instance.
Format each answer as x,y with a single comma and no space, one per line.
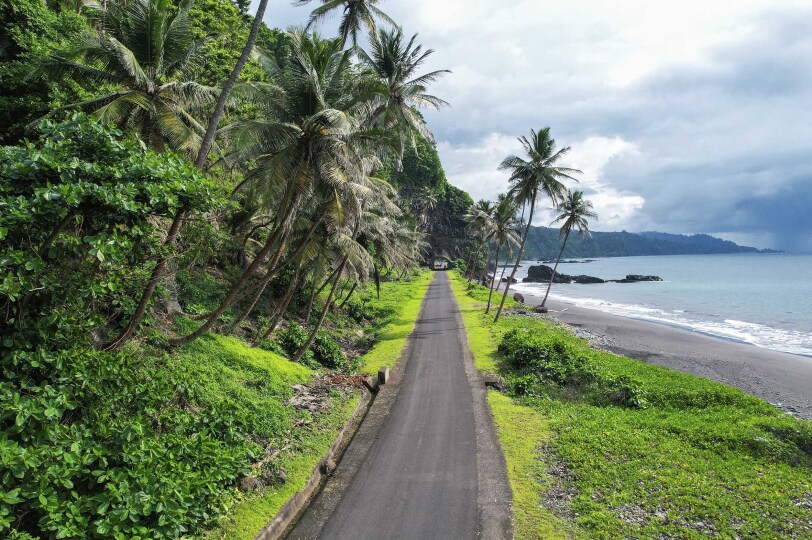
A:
397,310
697,459
395,314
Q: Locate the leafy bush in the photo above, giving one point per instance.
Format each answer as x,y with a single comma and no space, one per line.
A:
622,390
360,310
103,445
79,225
292,338
549,357
327,352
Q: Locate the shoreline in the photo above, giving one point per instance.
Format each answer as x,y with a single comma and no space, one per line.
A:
782,379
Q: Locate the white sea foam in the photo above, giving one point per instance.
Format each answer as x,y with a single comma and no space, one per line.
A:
760,335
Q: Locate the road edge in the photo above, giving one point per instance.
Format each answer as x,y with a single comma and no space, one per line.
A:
325,501
495,497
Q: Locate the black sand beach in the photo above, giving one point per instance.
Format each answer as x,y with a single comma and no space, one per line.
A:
785,380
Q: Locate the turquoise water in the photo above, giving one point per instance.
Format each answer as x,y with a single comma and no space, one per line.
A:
761,299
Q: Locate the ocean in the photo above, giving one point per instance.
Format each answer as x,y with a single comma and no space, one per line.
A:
761,299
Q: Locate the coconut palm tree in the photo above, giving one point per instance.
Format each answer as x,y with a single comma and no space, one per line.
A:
532,177
402,91
312,132
503,224
143,56
574,213
356,13
478,219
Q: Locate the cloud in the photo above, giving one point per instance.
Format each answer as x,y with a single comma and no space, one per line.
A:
685,116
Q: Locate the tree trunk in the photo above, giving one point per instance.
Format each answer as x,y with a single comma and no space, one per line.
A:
219,107
560,253
152,284
377,275
283,307
317,292
485,268
518,258
233,293
43,252
272,271
474,263
495,271
347,298
303,349
202,154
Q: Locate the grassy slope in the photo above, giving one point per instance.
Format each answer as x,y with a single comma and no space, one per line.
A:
704,459
397,312
400,303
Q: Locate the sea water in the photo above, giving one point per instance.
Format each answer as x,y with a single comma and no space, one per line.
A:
761,299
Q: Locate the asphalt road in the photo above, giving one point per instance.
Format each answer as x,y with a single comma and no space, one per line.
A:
423,467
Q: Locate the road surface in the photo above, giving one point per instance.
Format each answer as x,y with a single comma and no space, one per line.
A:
431,468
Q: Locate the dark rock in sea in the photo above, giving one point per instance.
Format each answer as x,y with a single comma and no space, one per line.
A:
543,273
635,277
512,280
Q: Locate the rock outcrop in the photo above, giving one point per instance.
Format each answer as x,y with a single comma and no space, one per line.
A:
543,273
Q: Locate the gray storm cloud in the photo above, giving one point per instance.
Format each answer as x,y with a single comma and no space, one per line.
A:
684,119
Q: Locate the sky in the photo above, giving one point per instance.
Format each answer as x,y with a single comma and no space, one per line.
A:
685,117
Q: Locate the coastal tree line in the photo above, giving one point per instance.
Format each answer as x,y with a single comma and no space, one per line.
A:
533,177
146,140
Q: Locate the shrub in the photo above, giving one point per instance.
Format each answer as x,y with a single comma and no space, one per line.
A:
549,357
360,310
622,390
327,352
292,338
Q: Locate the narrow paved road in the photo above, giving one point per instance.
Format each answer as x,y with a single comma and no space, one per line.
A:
421,475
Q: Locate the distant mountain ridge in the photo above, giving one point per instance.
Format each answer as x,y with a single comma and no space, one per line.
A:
544,243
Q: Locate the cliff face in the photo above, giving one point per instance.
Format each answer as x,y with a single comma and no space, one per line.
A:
441,211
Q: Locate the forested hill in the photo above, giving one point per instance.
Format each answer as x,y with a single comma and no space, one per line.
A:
544,243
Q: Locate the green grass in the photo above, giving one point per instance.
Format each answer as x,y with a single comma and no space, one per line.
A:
522,432
307,447
703,459
399,307
242,366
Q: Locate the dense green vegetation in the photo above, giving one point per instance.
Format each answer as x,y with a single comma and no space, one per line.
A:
191,226
621,448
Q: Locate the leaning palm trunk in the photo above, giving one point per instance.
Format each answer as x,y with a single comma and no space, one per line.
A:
349,295
303,349
552,277
484,270
202,154
518,259
317,292
495,270
235,290
272,271
474,262
283,306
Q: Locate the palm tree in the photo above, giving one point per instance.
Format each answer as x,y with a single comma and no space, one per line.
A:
206,143
532,177
478,218
574,213
396,62
502,233
312,133
146,54
356,13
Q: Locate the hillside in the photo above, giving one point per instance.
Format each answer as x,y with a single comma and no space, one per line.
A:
544,243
